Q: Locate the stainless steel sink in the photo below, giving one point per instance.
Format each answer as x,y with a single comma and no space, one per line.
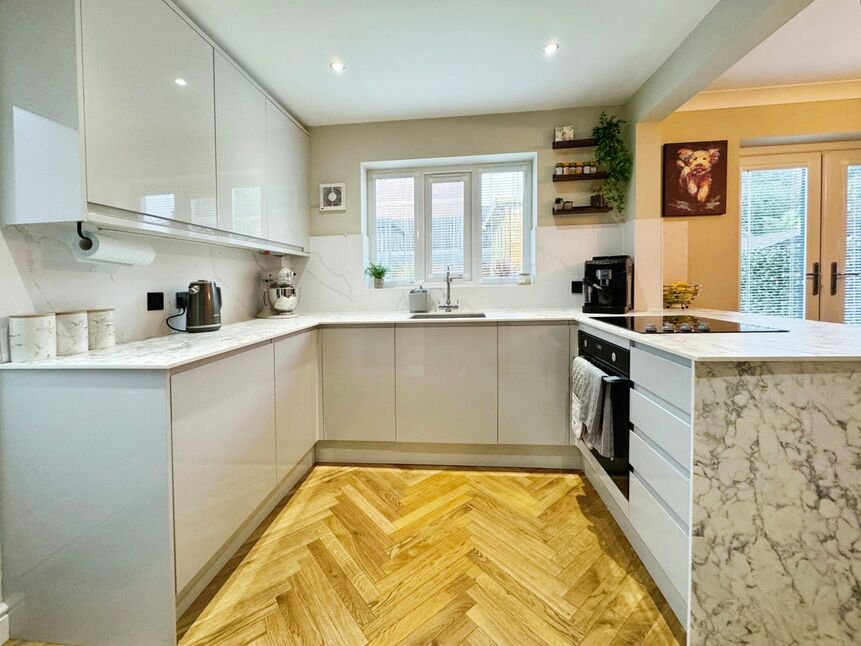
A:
450,315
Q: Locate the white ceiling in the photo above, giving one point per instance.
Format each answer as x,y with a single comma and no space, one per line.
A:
415,59
822,43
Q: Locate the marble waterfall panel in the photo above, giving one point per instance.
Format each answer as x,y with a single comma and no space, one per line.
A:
776,489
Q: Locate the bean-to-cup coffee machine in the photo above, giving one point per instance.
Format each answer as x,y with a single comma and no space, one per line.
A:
608,285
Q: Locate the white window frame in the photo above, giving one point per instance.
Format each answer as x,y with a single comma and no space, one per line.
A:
422,176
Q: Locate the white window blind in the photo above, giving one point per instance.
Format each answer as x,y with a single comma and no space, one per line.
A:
163,205
852,304
502,223
448,221
248,210
773,241
395,226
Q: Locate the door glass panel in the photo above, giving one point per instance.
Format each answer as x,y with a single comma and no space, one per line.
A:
852,304
773,241
447,227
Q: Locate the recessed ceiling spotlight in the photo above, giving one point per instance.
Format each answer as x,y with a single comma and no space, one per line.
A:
550,48
180,82
337,66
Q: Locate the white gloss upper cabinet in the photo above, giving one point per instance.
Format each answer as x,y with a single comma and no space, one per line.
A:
223,430
287,179
296,381
240,118
149,110
359,383
533,384
446,384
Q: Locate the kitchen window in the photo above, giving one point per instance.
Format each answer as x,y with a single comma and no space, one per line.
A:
476,219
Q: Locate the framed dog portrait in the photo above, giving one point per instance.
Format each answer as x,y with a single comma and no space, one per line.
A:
695,178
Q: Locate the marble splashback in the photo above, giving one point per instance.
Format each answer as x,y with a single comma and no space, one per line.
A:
776,486
332,279
38,273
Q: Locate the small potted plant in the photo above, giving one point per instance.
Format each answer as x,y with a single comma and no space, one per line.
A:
378,273
614,158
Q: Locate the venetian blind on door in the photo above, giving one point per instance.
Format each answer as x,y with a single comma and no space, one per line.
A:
852,303
773,241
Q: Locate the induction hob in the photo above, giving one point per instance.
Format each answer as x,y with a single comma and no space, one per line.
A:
681,324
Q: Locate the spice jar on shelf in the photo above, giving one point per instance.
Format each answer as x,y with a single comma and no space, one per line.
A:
559,168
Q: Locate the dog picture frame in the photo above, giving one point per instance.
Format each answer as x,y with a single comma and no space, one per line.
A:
332,197
694,178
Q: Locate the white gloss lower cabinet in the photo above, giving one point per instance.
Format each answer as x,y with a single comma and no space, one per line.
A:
533,384
446,384
296,382
359,383
223,429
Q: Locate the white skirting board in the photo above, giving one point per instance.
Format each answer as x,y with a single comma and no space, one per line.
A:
4,623
185,597
611,496
467,455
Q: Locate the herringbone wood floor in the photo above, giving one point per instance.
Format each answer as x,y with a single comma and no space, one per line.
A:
383,555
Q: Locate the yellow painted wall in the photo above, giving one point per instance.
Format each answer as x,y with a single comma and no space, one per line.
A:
337,152
713,241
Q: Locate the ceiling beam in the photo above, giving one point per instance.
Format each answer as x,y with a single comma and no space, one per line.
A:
727,33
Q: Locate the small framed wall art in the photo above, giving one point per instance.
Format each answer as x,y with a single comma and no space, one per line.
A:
332,197
695,178
564,133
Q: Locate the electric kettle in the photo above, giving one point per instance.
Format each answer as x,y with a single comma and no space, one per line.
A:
203,310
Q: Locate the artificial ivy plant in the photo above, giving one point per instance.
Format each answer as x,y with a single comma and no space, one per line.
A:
613,157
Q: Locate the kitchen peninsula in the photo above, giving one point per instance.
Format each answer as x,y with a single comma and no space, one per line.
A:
769,514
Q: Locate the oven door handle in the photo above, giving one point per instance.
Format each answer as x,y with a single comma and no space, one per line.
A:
613,379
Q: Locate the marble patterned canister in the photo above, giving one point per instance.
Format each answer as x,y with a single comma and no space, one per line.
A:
100,329
72,335
32,337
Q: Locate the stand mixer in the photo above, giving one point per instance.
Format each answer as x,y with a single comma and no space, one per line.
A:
280,297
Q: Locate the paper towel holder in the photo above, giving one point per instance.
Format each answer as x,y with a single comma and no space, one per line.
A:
84,243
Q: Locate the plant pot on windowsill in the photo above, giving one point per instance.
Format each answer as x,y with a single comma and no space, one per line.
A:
378,273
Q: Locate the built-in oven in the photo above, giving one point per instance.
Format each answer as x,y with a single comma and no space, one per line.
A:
615,361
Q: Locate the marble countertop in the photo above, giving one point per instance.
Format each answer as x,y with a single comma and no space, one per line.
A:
806,340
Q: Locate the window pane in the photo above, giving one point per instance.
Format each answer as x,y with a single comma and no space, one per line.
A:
447,222
394,211
852,305
773,241
502,223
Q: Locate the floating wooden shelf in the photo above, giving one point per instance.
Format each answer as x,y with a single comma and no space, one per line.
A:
581,177
575,143
579,210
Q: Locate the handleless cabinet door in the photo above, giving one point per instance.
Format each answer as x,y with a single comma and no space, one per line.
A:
533,384
240,139
223,428
149,110
446,384
296,381
359,384
287,179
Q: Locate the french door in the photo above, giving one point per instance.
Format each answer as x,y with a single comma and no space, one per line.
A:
801,235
